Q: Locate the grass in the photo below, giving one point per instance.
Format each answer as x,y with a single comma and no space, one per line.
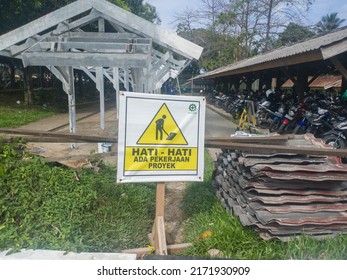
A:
204,213
16,116
43,206
46,207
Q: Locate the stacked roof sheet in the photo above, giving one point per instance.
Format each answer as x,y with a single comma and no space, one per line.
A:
282,195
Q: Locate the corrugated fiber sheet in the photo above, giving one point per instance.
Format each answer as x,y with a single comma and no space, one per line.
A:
284,195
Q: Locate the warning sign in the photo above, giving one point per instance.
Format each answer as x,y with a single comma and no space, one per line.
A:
161,138
163,129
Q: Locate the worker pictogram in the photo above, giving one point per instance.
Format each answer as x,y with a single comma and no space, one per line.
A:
162,130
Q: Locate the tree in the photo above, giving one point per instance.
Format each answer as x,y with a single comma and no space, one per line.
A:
187,21
240,20
211,9
294,33
329,22
143,10
17,13
276,15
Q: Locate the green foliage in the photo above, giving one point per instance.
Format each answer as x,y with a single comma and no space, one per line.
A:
294,33
50,207
228,236
13,14
219,49
143,10
16,13
329,22
192,202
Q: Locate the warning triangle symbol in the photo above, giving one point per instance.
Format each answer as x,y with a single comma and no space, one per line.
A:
163,130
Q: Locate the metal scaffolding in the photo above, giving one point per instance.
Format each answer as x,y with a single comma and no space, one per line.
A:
60,41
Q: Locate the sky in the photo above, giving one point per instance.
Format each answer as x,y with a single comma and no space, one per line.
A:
167,9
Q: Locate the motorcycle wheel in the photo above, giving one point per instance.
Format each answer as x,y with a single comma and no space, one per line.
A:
274,126
282,129
299,130
332,140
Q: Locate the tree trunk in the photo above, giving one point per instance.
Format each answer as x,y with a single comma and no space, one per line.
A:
28,87
268,26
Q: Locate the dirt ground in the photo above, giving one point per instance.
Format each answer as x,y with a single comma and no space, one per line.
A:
88,123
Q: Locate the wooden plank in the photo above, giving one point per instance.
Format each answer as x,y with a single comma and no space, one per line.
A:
140,252
177,248
58,135
79,157
171,249
255,139
238,143
11,139
160,238
160,200
256,148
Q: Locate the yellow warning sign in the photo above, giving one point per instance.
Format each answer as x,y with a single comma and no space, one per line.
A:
160,138
162,130
163,158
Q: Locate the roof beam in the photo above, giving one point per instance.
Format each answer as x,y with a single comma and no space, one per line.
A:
67,26
15,50
339,66
86,59
136,24
114,47
108,36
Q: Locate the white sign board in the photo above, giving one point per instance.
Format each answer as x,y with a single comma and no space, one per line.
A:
160,138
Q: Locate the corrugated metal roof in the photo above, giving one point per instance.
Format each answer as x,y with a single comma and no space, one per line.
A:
284,196
314,44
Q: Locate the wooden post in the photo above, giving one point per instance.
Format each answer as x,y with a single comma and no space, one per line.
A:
72,103
158,234
101,88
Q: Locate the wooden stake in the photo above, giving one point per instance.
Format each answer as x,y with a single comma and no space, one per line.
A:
158,235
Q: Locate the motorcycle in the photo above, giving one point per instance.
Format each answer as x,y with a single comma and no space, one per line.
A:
321,123
269,116
290,120
277,118
303,124
337,137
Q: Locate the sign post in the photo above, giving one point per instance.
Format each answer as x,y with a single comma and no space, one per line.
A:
158,238
160,139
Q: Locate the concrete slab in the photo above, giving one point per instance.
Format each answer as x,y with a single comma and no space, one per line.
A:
62,255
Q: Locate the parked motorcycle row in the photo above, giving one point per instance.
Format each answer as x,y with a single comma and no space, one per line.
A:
323,115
